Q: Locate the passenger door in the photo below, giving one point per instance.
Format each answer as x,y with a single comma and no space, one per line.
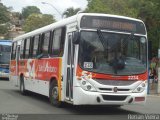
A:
70,68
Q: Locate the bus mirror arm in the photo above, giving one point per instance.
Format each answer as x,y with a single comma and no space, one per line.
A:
76,37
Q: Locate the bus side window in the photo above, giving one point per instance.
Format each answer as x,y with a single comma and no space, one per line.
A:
45,43
27,47
35,45
22,50
31,47
63,35
14,47
57,42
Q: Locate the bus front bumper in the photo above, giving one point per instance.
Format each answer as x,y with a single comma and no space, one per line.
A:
83,97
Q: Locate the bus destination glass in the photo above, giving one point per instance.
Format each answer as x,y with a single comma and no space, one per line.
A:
112,24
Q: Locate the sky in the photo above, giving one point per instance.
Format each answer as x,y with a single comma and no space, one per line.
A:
60,5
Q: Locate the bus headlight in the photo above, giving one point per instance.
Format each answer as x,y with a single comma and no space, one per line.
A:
140,88
86,85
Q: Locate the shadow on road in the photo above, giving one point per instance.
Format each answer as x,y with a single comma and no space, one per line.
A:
98,110
84,110
4,79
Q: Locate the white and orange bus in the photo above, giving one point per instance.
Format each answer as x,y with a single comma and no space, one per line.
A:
87,59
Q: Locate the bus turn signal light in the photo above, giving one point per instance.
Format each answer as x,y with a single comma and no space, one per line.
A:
138,99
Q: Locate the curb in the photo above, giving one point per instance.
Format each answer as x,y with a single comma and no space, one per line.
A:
155,95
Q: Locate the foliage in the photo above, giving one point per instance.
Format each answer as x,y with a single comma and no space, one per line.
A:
148,11
70,12
29,10
3,29
118,7
30,19
4,14
4,18
35,21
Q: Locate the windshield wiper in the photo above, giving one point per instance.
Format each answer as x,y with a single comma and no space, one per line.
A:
114,62
101,37
119,63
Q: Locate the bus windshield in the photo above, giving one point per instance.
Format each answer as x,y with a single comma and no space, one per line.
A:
5,54
112,53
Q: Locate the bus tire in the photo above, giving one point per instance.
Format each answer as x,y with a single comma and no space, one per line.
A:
22,86
54,95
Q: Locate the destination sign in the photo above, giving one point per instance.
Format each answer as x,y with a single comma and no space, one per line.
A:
110,23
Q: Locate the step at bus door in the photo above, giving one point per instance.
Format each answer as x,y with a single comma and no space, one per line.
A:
70,68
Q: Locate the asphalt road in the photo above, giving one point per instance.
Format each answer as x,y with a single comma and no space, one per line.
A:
38,106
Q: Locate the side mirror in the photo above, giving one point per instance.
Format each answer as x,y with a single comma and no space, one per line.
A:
76,37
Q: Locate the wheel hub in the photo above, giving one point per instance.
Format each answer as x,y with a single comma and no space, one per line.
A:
55,93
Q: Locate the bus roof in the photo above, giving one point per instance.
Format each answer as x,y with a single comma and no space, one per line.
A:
6,42
72,19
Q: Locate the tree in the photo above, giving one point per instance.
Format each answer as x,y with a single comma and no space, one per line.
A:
29,10
148,11
3,29
4,14
118,7
4,18
70,12
35,21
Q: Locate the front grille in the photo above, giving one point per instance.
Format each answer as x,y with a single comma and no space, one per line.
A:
116,82
106,89
123,89
110,89
114,98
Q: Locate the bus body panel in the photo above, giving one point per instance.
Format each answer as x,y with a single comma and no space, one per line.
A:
143,76
90,98
38,73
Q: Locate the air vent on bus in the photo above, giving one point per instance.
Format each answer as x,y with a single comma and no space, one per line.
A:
110,89
116,82
114,98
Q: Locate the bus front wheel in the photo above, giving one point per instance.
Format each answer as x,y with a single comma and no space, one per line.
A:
54,95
